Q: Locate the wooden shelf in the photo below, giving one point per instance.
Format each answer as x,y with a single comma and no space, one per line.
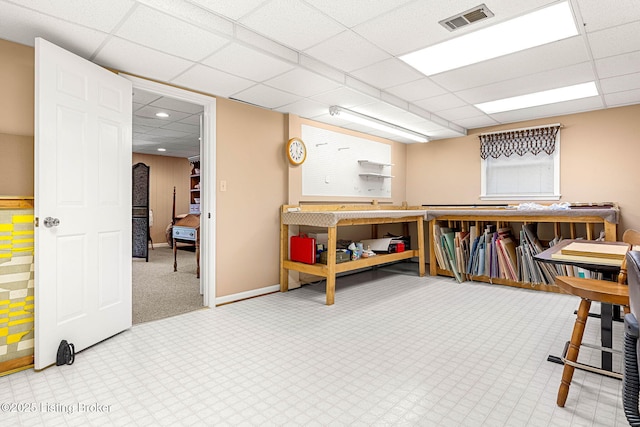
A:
558,217
323,270
363,215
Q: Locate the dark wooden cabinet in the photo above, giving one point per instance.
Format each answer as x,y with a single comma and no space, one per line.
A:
140,215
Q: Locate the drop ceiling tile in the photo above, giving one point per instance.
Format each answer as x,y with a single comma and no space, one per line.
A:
231,9
142,97
347,51
129,57
566,76
598,14
439,103
623,98
476,122
354,12
417,89
305,108
627,63
388,73
177,105
265,96
183,127
192,120
150,111
615,41
292,23
426,127
456,114
302,83
389,113
248,63
169,133
550,110
560,54
343,97
23,26
419,27
141,129
620,83
212,82
144,121
100,15
193,14
444,134
149,27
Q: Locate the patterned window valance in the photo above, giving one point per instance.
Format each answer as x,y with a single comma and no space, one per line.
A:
521,141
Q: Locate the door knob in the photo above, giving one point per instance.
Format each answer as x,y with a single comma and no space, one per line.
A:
51,222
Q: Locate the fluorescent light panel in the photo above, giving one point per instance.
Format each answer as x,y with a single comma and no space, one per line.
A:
568,93
378,124
534,29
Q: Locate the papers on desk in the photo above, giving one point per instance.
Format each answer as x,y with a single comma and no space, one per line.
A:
595,250
592,253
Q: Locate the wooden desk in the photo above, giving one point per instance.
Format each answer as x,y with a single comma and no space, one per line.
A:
334,216
606,309
187,230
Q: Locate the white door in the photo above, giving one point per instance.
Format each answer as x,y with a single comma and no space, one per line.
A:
83,184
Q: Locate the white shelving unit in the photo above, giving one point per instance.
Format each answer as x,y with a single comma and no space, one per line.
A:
374,164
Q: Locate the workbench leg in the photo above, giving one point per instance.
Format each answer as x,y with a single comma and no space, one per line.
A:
284,254
433,262
332,242
421,258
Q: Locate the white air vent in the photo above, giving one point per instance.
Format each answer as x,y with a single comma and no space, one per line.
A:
470,16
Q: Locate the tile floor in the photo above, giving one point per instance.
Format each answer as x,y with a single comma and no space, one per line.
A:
393,350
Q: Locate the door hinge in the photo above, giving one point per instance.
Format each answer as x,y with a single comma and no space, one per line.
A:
36,222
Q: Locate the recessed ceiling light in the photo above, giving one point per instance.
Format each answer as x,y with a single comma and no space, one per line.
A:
524,32
583,90
162,149
162,115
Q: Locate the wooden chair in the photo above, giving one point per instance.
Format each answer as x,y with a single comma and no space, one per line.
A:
604,291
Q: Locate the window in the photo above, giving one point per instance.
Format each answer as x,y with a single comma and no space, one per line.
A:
521,164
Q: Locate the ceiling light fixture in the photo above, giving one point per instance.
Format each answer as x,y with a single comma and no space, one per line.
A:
162,115
378,124
162,149
540,27
567,93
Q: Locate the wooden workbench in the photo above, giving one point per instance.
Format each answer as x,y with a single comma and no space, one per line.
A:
333,216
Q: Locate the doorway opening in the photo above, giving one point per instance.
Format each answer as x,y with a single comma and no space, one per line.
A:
179,147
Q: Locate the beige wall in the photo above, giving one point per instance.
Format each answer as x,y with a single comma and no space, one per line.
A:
250,158
600,153
16,119
16,177
165,173
17,89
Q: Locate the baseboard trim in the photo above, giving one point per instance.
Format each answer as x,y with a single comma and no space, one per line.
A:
247,294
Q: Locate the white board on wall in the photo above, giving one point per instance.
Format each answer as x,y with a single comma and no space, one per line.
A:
340,165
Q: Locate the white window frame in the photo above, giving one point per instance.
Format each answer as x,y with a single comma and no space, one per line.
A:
511,196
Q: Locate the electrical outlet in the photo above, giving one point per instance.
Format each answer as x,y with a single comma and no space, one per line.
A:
223,185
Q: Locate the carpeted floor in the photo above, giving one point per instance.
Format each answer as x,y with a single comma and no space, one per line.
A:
158,291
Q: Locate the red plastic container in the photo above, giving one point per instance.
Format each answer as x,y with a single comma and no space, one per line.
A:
303,249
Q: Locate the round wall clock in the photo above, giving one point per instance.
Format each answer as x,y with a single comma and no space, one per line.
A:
296,151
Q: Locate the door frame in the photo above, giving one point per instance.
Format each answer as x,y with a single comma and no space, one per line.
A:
207,177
